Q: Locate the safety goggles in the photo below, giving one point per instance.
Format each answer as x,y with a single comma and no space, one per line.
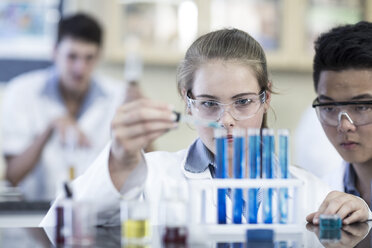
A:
240,109
358,113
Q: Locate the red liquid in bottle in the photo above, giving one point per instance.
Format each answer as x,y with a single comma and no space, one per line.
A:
175,237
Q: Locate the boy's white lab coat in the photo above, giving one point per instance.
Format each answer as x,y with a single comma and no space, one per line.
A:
95,186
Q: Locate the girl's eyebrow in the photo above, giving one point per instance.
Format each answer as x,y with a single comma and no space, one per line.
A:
243,94
234,97
207,96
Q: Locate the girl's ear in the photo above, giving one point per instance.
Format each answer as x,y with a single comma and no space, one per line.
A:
183,93
268,97
184,96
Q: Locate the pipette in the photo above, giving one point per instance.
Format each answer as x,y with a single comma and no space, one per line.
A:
195,121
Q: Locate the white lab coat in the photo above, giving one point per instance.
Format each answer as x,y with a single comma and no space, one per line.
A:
95,186
335,179
31,102
313,151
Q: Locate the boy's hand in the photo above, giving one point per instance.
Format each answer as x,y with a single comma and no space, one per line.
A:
350,208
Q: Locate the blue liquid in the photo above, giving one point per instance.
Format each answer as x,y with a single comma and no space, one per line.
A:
283,192
268,206
283,205
253,206
330,235
221,207
238,206
254,172
268,172
254,156
221,172
283,156
239,161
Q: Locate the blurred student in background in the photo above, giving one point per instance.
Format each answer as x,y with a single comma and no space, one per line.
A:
56,120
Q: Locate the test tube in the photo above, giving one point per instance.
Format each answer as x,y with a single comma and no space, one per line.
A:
268,172
238,162
283,166
254,160
220,135
174,212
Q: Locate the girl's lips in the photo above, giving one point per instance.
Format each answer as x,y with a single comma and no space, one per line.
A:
230,138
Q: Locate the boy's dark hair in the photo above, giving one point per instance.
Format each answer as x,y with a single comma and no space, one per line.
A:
80,26
342,48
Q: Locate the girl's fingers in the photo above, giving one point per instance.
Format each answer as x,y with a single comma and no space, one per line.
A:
143,103
142,129
139,142
143,115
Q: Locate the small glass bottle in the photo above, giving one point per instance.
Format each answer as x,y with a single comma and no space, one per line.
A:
135,222
174,211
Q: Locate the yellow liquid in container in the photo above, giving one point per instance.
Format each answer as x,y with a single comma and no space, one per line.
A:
135,229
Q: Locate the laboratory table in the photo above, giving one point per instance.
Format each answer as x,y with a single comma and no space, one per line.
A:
357,235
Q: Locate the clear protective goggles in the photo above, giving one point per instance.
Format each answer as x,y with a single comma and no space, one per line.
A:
358,113
240,109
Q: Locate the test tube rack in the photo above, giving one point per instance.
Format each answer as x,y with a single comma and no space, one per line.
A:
203,221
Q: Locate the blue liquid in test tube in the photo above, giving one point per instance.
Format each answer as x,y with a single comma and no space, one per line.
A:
254,160
239,162
283,166
268,172
220,135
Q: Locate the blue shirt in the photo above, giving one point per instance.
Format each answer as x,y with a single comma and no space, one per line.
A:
199,158
350,181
